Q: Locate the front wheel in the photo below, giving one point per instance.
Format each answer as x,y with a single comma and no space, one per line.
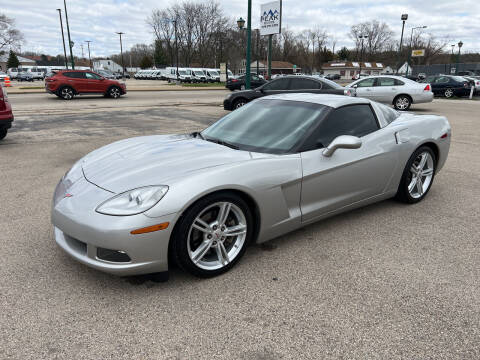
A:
417,176
402,103
114,92
239,103
3,133
212,235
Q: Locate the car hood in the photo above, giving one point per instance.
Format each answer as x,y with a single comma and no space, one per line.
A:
154,160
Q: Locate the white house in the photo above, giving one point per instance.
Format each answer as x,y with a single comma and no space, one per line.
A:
348,69
403,69
107,65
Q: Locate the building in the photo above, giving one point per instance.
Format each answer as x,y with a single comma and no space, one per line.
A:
435,69
107,65
349,69
23,61
278,67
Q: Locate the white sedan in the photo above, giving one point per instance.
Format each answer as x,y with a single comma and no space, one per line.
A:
396,90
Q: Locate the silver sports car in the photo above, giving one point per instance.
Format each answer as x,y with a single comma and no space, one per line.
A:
270,167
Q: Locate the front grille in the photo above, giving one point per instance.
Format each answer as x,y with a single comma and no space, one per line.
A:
112,255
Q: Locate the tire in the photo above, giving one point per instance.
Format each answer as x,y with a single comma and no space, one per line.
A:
242,87
239,103
66,93
402,102
114,92
200,244
448,93
3,133
410,191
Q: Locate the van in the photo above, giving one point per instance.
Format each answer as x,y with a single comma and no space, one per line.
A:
198,75
212,75
184,75
37,73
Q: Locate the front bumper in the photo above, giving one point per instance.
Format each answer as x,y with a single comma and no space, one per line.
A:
83,233
227,104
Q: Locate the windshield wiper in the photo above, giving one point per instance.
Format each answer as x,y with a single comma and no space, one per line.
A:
223,142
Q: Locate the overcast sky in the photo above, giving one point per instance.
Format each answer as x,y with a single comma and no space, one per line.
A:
98,20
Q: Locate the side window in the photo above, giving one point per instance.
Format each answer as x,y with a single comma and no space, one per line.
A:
384,81
366,83
75,75
304,84
356,120
92,76
399,82
441,80
388,113
279,84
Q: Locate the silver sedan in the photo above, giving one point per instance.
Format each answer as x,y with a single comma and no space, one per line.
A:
396,90
270,167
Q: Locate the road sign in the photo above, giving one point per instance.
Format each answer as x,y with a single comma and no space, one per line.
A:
271,18
417,53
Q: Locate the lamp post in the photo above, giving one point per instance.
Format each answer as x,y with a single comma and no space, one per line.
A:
249,40
174,22
411,40
451,59
240,25
404,18
361,37
70,42
89,58
121,54
63,38
460,44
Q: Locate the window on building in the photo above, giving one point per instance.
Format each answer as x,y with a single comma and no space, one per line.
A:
342,72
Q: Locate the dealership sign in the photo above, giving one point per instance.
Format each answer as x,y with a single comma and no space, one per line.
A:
271,18
417,53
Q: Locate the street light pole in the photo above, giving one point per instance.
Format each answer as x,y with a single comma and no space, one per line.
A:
89,58
176,46
361,37
460,44
70,44
249,40
63,38
451,59
403,18
121,54
409,58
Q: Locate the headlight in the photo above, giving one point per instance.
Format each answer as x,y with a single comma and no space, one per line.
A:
134,201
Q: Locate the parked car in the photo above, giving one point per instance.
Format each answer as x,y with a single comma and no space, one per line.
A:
106,74
266,169
119,75
68,83
37,73
6,114
333,77
468,73
2,76
448,85
285,85
359,76
396,90
24,76
239,82
476,81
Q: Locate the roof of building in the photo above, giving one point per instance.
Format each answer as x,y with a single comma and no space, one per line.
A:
279,65
334,101
21,59
352,65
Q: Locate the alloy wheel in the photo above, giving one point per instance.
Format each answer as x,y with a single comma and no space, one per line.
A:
67,93
239,104
115,92
217,235
421,175
448,93
402,103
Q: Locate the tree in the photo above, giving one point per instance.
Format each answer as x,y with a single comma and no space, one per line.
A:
12,60
8,34
379,37
344,53
146,62
159,57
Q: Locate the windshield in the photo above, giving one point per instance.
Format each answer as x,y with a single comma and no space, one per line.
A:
267,125
200,73
182,72
213,73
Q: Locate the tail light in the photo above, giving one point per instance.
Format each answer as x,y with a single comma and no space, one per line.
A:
234,80
427,88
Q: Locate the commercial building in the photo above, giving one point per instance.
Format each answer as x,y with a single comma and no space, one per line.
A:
23,61
348,69
278,67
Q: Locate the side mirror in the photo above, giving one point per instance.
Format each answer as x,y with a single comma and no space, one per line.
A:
342,142
355,86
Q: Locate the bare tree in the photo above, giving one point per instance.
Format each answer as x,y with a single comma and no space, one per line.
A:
379,36
9,35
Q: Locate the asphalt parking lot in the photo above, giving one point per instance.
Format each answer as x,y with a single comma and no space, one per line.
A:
388,281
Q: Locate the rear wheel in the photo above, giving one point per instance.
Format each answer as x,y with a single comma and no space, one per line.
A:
3,133
448,93
417,176
402,102
114,92
67,93
212,235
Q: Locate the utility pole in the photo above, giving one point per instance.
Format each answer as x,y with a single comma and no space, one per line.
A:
257,51
81,46
63,38
176,45
70,43
451,59
270,56
249,40
89,58
121,54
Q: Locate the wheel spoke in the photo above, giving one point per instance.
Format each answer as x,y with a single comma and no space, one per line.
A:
235,230
413,169
222,254
419,186
202,226
423,161
223,213
201,251
412,184
427,172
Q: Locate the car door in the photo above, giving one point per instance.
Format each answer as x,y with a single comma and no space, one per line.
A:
77,80
96,83
441,84
349,175
365,88
385,90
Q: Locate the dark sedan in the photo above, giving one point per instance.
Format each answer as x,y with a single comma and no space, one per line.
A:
448,85
286,85
239,83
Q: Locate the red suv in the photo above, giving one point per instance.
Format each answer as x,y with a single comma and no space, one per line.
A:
6,115
68,83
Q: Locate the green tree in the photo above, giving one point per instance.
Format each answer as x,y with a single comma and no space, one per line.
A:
343,54
12,60
146,62
159,56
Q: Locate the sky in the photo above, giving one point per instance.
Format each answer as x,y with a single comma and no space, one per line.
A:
98,20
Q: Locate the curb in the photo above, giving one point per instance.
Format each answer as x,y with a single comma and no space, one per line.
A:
11,91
